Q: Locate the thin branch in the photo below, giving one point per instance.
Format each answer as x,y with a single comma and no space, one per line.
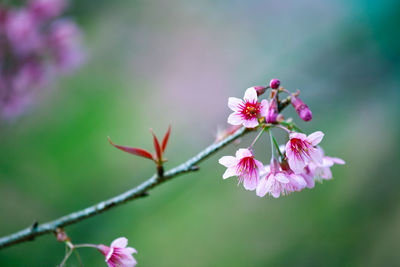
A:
137,192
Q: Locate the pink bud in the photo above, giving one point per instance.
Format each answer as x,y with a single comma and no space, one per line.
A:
61,235
274,83
272,112
302,109
260,89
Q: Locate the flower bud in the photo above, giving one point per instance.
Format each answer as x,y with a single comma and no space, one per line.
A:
302,109
260,89
274,83
61,235
272,112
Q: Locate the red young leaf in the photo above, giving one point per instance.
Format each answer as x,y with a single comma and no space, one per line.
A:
135,151
165,140
156,145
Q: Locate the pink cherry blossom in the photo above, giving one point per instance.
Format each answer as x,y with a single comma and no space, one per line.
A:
300,150
276,181
118,255
245,166
322,170
248,110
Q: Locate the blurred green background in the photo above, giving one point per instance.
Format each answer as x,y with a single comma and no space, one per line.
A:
155,62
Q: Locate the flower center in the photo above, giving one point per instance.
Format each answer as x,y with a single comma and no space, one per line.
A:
250,110
246,168
300,147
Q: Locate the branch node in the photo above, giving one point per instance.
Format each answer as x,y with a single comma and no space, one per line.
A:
144,194
194,168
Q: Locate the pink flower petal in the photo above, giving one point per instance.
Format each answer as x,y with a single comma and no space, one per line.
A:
296,165
228,161
250,123
110,252
259,165
262,188
234,103
337,160
264,108
315,155
325,173
230,171
235,119
315,138
250,95
300,136
130,250
309,179
120,242
276,193
250,184
299,180
243,153
281,178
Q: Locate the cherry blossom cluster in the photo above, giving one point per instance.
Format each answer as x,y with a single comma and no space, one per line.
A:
35,45
293,166
116,255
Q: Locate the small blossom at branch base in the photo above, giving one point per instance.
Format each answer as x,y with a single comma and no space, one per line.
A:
248,110
118,255
223,133
302,109
244,166
300,150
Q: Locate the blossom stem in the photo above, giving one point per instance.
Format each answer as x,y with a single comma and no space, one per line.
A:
291,125
277,146
283,128
258,136
272,145
78,257
66,257
85,246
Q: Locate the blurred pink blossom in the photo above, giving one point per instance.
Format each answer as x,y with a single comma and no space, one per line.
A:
65,43
22,31
34,41
46,9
